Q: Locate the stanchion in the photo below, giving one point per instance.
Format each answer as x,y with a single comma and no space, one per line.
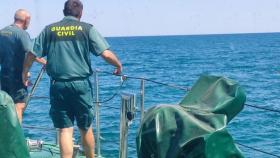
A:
128,102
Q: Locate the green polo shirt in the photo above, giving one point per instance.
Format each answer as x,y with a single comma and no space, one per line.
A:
67,45
14,44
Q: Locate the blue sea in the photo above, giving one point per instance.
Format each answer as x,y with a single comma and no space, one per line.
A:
253,60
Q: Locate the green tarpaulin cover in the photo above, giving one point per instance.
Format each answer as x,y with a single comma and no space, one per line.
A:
12,141
196,128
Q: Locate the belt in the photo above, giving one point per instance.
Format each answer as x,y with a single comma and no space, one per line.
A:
53,80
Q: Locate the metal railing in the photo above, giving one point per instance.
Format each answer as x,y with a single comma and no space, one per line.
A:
128,107
123,129
97,116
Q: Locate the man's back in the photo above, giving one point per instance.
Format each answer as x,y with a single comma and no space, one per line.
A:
14,43
67,45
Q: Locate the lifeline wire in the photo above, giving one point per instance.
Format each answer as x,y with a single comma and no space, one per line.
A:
114,95
165,84
263,108
150,80
264,152
181,88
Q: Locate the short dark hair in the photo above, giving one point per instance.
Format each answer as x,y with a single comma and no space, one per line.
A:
73,8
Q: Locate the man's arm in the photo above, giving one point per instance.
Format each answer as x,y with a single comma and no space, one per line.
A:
26,66
112,59
99,46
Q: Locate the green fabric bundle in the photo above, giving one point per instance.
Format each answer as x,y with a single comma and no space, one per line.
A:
196,128
12,140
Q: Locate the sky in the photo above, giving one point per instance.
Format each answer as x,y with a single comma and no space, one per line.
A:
156,17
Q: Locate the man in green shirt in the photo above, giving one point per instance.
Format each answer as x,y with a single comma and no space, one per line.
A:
14,44
67,45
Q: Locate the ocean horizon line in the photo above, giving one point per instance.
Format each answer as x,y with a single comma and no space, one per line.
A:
171,35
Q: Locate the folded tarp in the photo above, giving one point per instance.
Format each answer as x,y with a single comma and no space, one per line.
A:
196,128
12,141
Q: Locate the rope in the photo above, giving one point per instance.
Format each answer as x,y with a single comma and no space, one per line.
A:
264,108
104,101
179,87
264,152
149,80
165,84
116,108
113,96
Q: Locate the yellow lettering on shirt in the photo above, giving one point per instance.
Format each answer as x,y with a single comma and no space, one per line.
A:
6,33
66,31
53,29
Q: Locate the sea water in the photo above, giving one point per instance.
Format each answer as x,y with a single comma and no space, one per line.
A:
253,60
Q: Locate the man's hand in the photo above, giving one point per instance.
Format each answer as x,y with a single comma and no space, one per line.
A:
26,66
112,59
118,71
25,80
41,61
